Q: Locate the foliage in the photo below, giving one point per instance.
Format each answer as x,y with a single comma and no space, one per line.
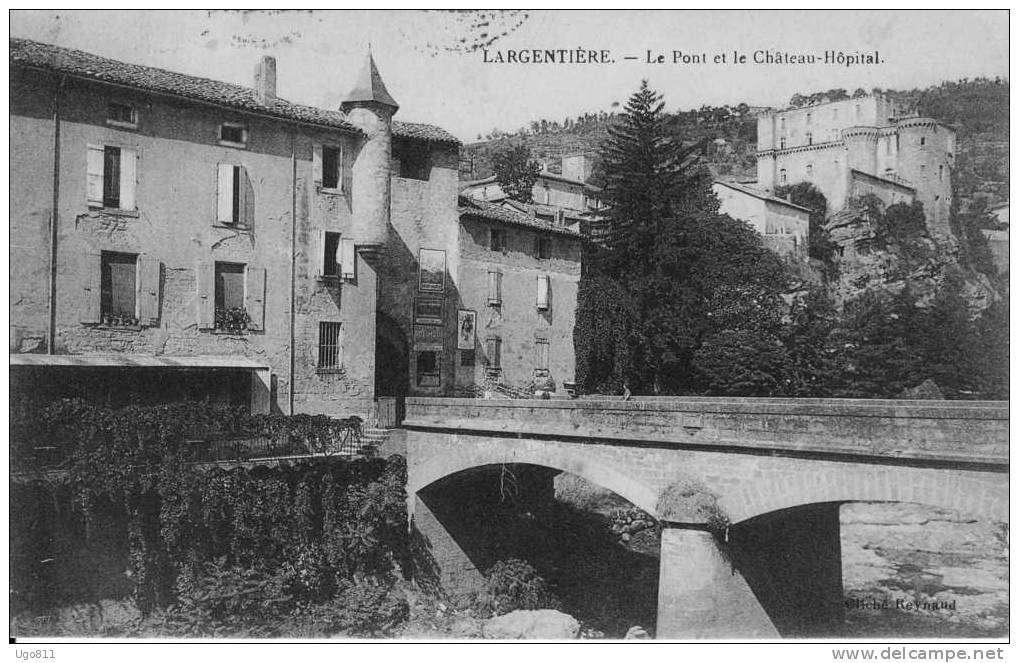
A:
515,585
666,270
805,194
516,172
742,363
688,501
313,524
233,319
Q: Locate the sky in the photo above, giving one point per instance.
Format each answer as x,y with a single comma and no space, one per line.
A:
433,63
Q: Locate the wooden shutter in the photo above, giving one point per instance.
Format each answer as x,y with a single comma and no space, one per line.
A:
254,297
225,194
246,214
543,288
347,257
494,288
91,293
316,164
95,175
148,291
322,253
128,178
205,278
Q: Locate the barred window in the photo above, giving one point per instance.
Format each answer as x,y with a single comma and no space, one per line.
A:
330,344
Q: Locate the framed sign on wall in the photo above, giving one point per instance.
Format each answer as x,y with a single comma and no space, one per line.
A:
431,270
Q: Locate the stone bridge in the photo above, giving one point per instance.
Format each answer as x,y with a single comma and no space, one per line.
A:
778,469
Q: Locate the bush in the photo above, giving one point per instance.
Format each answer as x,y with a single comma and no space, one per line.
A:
690,502
515,585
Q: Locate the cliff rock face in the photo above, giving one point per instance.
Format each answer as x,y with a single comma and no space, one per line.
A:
871,258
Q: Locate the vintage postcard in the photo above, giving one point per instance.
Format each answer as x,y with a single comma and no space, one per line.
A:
491,325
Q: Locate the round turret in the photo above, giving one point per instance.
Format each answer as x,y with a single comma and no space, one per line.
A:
370,108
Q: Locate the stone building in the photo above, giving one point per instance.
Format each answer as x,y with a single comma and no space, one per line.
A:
784,226
518,291
565,198
178,237
853,147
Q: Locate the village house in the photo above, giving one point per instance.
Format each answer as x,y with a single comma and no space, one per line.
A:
177,237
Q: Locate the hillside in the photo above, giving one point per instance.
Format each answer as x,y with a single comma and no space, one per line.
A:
977,108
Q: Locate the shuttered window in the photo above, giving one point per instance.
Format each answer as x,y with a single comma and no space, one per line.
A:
330,167
330,254
119,282
494,289
493,348
229,285
541,351
330,344
543,294
234,196
112,176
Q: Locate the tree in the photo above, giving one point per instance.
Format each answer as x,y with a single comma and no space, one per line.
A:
516,172
805,194
664,259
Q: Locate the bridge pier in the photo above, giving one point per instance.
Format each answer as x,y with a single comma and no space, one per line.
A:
701,595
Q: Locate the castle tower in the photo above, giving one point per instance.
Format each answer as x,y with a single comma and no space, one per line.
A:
926,158
370,107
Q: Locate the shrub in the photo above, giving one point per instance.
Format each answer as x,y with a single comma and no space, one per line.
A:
515,585
690,502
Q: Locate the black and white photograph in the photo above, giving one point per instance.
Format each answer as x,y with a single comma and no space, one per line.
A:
508,325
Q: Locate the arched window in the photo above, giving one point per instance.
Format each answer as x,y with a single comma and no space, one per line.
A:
923,141
782,124
809,117
923,171
941,173
889,173
810,170
810,138
781,176
781,143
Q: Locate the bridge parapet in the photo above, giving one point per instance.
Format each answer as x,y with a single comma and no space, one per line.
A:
954,432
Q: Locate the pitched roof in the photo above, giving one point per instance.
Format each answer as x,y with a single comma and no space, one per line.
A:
480,209
28,53
761,195
369,86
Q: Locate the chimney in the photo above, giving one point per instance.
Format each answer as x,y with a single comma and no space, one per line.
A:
265,80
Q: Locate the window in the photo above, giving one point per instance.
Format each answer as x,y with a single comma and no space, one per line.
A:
330,345
231,296
923,141
338,256
235,196
428,369
941,173
232,134
810,138
112,177
493,348
467,357
229,286
327,166
544,292
494,289
859,111
497,239
414,159
782,124
119,278
121,115
923,171
330,255
890,173
544,248
541,346
809,118
781,176
810,170
781,144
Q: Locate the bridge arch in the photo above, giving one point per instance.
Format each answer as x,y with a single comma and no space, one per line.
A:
576,462
971,493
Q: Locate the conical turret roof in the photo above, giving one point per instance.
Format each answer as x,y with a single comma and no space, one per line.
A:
369,87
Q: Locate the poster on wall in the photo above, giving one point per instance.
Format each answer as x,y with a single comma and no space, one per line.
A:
466,324
432,270
428,311
427,337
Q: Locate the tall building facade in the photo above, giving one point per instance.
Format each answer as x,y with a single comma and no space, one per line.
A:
853,147
178,237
